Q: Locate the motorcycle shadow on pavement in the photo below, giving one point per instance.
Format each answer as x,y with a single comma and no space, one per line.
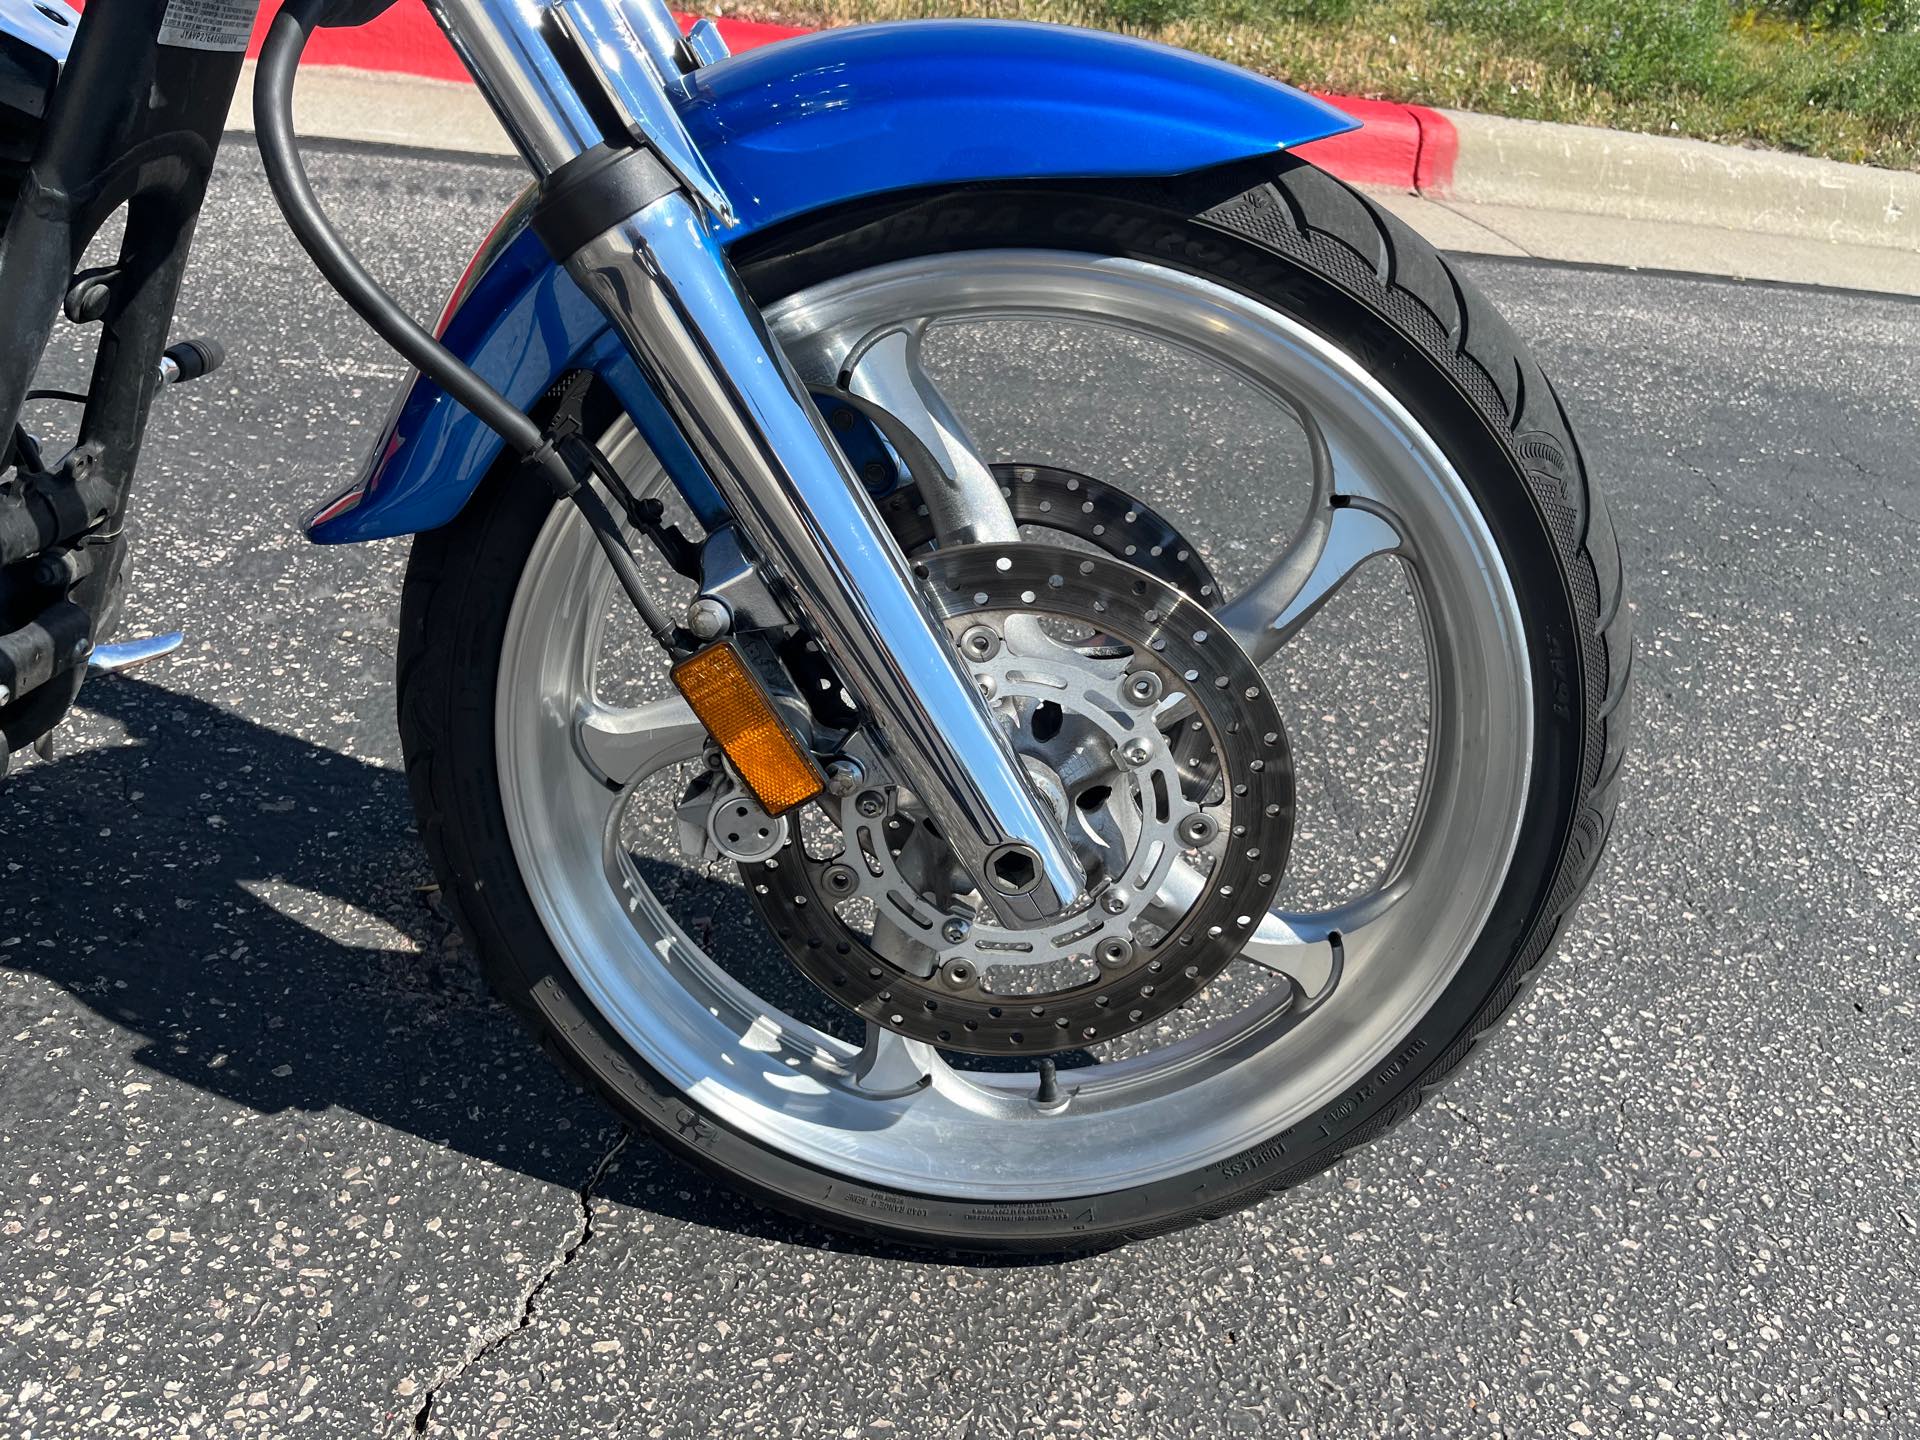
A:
255,913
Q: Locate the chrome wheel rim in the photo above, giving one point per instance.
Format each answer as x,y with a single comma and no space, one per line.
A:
894,1113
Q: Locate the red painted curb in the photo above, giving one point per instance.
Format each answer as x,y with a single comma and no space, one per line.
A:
1439,148
405,41
1404,145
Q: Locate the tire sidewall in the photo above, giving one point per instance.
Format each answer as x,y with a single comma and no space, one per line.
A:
481,554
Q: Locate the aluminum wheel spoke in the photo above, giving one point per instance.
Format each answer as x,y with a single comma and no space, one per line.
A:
1311,948
1314,948
886,369
1275,608
1346,526
890,1064
624,745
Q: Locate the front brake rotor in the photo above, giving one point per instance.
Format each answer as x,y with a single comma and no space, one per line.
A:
1124,960
1091,511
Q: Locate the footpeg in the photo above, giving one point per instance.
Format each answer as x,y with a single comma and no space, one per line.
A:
127,654
190,359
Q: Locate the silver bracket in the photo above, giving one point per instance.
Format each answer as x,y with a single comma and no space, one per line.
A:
729,577
705,43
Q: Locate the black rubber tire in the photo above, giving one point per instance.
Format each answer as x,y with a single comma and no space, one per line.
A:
1302,242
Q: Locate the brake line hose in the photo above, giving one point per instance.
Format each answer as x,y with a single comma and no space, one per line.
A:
287,178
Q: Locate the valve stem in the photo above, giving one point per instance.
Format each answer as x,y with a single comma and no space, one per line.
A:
1049,1091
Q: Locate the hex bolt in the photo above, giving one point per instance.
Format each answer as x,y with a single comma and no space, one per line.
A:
979,642
955,930
1136,752
55,571
1116,900
844,775
1013,869
708,618
989,687
1199,828
1142,687
871,803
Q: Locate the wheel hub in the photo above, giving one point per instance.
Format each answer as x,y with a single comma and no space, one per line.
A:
1101,720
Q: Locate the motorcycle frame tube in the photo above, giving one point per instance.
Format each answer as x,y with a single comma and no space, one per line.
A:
136,124
104,145
665,284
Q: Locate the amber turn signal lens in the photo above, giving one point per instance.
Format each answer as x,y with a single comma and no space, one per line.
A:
729,700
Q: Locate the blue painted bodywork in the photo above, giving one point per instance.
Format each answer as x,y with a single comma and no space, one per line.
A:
801,126
35,36
844,113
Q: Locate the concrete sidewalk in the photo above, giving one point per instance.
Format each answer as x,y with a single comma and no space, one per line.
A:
1595,237
1570,192
1503,187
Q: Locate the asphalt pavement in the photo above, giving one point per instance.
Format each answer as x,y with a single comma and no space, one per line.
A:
271,1163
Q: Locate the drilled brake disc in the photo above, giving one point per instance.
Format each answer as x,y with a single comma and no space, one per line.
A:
1126,958
1092,511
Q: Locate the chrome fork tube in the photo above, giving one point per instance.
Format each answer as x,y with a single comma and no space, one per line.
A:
663,280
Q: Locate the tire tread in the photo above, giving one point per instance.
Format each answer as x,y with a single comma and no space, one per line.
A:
1290,208
1416,281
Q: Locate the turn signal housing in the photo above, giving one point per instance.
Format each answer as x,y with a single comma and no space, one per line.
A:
729,699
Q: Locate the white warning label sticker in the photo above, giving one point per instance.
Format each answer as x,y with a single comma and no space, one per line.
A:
209,24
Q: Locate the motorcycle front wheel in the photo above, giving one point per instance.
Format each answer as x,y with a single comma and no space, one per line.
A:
1252,384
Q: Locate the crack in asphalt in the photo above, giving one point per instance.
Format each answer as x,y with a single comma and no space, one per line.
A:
423,1417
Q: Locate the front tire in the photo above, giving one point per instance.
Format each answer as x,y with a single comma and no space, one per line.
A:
1310,249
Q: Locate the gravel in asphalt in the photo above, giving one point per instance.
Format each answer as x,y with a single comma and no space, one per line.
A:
271,1163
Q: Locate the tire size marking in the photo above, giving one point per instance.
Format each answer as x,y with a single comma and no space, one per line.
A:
881,1203
1257,1158
1361,1094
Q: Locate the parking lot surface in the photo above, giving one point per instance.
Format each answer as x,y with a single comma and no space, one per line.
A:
272,1163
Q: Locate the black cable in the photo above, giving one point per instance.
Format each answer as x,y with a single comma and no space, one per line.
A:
587,500
287,177
71,397
273,119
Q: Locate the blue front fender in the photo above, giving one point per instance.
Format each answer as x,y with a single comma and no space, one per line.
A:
800,126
